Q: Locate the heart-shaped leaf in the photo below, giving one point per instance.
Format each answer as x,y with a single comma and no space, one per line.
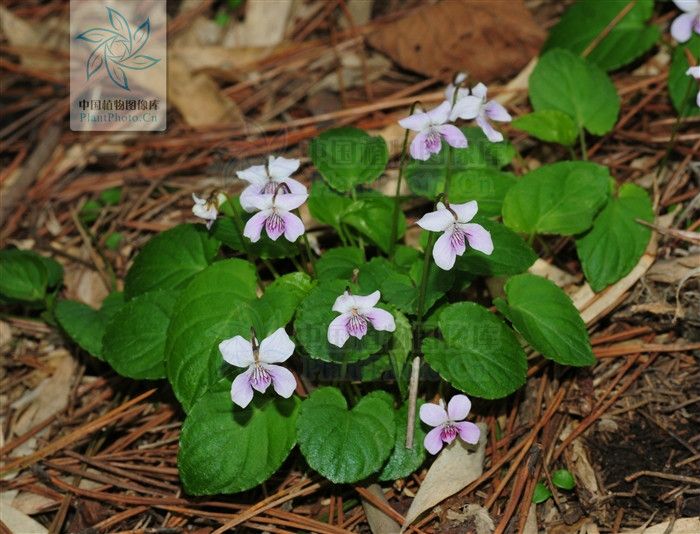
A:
346,445
487,186
225,449
613,246
23,275
339,263
403,461
170,259
478,354
549,125
134,338
560,198
547,319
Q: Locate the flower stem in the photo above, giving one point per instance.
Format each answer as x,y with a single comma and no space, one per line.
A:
238,224
582,143
309,253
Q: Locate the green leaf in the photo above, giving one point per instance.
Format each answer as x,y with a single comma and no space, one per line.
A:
346,445
560,198
90,211
24,275
85,325
339,263
624,41
372,215
511,255
541,493
311,326
170,259
403,461
214,306
613,246
225,449
682,87
547,319
113,240
478,354
347,157
549,125
279,302
487,186
565,82
563,479
327,206
134,338
427,178
111,196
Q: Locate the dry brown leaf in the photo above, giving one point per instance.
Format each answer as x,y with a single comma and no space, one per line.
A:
264,24
486,39
456,467
18,522
379,522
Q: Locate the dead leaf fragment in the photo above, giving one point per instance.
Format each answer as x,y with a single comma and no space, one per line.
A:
486,39
379,522
457,466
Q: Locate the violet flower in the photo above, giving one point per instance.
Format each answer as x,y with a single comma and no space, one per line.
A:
259,362
448,423
432,130
695,73
275,216
266,179
355,312
475,106
453,221
208,209
683,26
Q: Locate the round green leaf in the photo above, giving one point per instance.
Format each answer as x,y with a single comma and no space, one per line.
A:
170,259
549,125
568,83
347,157
548,320
311,326
561,198
563,479
372,215
23,275
487,186
339,263
613,246
403,461
511,255
478,354
225,449
214,306
346,445
134,338
682,87
541,493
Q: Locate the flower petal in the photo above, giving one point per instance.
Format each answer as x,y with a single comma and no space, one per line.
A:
419,149
465,212
469,432
344,303
198,200
479,238
276,348
381,320
204,212
255,175
366,302
466,108
437,221
492,135
241,390
433,414
687,5
237,351
290,201
415,122
248,198
283,380
443,252
440,114
293,227
254,226
458,407
295,186
280,167
480,90
453,136
697,99
261,201
692,71
682,27
496,112
433,441
337,331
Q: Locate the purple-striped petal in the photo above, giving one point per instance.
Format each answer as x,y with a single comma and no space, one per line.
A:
274,225
337,330
419,149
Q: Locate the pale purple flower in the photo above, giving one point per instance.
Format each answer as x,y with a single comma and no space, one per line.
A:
270,178
275,216
208,209
695,73
432,130
475,106
461,91
453,220
259,363
448,423
355,313
683,26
